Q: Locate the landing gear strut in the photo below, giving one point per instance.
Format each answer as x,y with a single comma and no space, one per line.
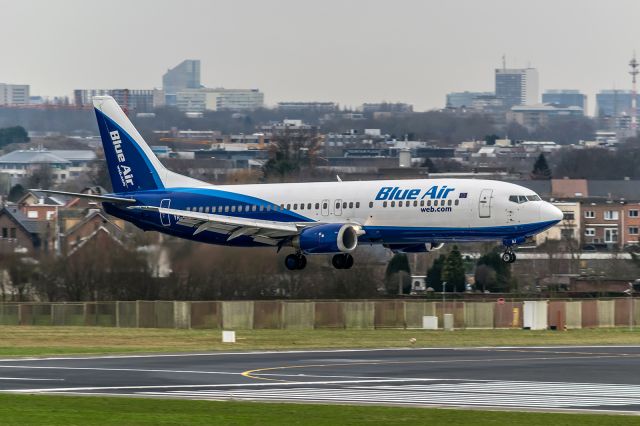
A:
295,261
508,256
342,261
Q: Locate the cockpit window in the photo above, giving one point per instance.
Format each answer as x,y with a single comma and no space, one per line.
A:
523,199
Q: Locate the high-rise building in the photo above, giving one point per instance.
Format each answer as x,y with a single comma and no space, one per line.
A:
517,86
565,98
465,99
14,94
185,75
614,103
205,99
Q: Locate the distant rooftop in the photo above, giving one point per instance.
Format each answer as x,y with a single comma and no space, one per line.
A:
40,156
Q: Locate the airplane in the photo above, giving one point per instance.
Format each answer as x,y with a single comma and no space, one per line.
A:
316,218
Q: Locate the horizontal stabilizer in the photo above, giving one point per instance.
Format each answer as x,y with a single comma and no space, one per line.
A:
101,198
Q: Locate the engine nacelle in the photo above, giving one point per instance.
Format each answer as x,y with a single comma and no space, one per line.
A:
329,238
435,246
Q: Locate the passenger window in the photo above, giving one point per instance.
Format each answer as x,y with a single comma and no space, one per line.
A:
302,206
457,202
325,206
370,204
393,204
435,202
399,203
337,205
351,205
421,203
233,209
269,207
408,204
357,204
415,203
261,207
344,205
308,206
288,206
254,208
317,206
295,206
226,209
188,209
449,202
428,202
384,204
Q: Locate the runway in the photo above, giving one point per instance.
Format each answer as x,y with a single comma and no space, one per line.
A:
587,378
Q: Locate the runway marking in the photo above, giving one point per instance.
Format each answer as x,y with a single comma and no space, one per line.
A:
255,373
308,351
141,370
215,385
30,379
469,394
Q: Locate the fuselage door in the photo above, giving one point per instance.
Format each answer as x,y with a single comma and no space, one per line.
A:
484,204
337,204
325,208
165,219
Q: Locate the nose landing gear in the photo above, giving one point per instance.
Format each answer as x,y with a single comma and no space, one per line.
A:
508,256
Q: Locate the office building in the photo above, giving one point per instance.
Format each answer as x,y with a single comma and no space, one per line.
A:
532,116
386,107
14,94
465,99
517,86
565,98
614,103
185,75
326,107
130,100
219,99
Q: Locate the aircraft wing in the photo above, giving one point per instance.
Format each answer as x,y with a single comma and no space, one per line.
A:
262,231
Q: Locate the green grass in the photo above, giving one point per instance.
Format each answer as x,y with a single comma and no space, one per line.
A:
49,340
63,410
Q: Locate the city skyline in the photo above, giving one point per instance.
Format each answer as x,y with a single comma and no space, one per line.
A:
349,54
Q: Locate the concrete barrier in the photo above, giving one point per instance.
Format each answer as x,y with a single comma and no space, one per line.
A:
329,315
206,315
573,311
267,314
182,314
606,313
590,314
414,311
146,314
237,315
359,315
164,313
557,314
389,314
298,315
126,314
478,314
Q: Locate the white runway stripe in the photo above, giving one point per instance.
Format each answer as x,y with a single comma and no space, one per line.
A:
488,394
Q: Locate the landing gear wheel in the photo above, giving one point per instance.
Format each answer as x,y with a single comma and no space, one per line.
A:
295,261
508,256
342,261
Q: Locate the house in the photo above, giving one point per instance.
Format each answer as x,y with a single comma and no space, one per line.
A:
18,233
77,227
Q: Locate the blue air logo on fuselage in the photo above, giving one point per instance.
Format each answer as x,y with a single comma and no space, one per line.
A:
395,193
123,170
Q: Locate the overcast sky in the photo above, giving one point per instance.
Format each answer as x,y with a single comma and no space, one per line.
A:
331,50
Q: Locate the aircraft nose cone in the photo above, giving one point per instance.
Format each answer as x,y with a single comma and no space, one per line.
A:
550,213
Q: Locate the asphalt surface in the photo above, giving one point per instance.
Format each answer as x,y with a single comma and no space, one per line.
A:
602,379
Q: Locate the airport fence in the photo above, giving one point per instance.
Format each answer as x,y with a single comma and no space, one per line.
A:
326,314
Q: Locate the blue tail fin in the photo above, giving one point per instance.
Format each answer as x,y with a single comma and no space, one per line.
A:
132,165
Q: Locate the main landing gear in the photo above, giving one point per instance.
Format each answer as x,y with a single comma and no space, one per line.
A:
508,256
295,261
342,261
